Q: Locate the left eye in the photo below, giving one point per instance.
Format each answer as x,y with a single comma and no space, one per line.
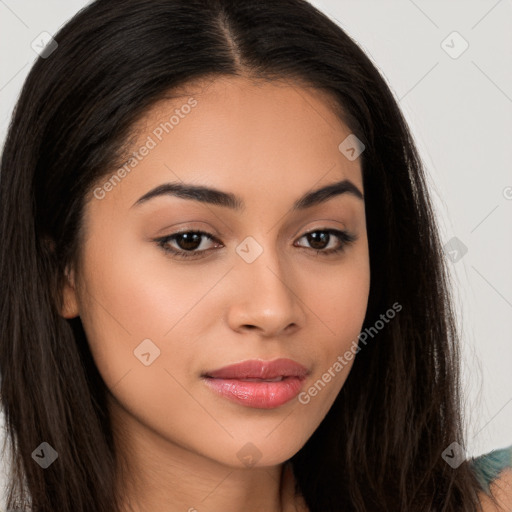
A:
320,240
190,243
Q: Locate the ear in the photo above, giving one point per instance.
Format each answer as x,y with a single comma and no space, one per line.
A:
69,296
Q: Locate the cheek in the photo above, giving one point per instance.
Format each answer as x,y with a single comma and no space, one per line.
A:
139,288
338,297
132,293
128,302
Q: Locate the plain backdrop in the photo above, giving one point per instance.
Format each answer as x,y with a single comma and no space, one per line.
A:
449,65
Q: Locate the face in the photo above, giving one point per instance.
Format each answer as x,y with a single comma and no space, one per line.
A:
180,284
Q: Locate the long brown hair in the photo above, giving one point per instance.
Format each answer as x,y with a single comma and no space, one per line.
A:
380,446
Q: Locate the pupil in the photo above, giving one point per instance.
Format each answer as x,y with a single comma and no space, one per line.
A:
189,241
318,237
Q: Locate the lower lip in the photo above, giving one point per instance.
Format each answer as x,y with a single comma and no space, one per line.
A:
260,395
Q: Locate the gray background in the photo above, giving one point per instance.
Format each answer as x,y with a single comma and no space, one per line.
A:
460,113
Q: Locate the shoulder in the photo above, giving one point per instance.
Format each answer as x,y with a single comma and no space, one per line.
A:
494,473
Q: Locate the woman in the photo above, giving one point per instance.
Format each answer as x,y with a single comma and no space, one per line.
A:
225,284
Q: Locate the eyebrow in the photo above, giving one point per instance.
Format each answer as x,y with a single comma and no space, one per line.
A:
217,197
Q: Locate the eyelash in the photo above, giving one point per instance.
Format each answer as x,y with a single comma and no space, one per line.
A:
345,237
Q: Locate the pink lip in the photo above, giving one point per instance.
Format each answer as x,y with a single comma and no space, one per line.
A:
229,382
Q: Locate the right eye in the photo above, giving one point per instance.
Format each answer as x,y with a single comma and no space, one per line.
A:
188,243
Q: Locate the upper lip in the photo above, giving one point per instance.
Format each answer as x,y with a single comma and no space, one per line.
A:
259,369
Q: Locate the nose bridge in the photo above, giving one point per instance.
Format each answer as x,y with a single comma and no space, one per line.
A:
262,263
265,297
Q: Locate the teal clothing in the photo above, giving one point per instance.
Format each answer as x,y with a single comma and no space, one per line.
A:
487,467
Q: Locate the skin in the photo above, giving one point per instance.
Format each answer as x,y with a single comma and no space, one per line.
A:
268,143
501,489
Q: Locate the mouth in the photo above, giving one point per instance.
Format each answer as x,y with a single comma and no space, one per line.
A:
257,383
276,379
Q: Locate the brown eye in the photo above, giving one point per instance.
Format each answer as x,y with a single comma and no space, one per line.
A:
320,239
186,243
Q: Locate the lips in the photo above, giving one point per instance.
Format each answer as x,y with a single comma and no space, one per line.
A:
260,370
256,383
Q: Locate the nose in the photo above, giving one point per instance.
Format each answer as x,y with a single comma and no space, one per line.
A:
265,298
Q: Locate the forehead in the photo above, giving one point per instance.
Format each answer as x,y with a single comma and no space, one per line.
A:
238,134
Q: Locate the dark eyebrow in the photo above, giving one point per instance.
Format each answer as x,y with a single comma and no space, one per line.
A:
218,198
